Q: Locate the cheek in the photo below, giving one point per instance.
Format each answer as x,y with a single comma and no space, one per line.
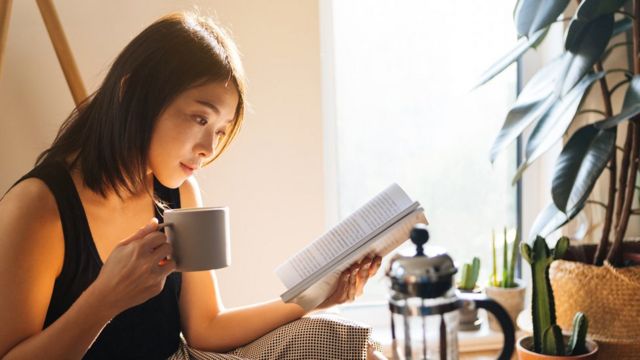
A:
170,139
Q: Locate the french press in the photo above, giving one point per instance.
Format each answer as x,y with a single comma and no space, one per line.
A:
425,307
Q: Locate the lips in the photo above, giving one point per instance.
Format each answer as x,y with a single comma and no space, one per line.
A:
192,167
189,169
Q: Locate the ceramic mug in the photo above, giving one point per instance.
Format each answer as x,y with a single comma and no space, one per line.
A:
199,236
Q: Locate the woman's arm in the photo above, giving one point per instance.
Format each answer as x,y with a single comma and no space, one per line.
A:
31,255
224,330
207,325
69,337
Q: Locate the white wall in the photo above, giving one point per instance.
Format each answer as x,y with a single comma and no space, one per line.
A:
271,177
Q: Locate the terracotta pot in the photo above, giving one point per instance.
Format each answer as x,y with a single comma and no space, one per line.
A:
525,344
511,299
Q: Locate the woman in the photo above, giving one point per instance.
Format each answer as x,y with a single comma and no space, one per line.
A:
80,276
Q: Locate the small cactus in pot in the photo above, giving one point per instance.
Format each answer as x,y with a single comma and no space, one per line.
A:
470,272
547,335
469,319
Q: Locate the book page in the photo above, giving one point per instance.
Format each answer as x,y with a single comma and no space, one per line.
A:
381,245
364,221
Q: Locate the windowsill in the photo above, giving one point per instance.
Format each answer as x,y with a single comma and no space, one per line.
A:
377,316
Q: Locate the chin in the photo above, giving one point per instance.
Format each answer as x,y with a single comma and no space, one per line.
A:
171,182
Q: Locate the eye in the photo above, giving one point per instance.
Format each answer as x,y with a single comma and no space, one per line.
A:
201,120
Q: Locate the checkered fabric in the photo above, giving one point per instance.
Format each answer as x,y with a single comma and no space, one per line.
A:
323,337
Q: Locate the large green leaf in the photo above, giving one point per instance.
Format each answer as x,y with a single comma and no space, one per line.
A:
534,101
579,165
514,54
591,9
533,15
630,106
621,26
586,41
556,121
549,220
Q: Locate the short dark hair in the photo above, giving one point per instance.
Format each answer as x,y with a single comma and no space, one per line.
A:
110,132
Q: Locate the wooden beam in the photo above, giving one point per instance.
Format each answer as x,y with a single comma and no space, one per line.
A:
61,46
5,14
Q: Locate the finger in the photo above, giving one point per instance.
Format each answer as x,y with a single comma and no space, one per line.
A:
364,260
150,227
351,293
341,292
162,252
372,266
375,266
153,240
363,276
167,267
363,272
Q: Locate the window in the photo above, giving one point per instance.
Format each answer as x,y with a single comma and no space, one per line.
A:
398,81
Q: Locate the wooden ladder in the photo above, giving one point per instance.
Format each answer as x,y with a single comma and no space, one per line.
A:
58,39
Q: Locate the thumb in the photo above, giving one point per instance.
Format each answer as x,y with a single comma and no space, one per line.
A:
150,227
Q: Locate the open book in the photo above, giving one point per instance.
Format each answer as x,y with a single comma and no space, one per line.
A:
376,228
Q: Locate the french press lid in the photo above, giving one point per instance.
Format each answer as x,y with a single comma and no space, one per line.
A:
421,275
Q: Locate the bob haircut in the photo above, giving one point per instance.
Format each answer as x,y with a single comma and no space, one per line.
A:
108,136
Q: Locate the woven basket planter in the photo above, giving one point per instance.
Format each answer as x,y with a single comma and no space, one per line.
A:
608,296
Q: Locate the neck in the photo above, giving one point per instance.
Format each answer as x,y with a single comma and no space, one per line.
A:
111,198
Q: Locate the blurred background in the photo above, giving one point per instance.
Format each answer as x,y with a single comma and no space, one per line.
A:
345,98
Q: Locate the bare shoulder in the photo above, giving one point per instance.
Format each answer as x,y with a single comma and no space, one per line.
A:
31,257
29,218
190,196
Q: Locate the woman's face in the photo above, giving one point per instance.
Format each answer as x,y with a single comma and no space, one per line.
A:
187,132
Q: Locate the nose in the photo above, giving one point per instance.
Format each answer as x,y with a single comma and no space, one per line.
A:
206,145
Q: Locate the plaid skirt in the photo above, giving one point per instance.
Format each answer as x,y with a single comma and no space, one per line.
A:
323,336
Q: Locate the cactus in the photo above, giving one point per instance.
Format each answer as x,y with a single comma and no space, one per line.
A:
470,275
547,336
578,337
507,280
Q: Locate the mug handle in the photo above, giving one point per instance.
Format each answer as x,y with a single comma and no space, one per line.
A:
508,330
163,225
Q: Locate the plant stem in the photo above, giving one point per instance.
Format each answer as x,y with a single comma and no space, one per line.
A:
494,275
617,70
625,14
615,253
608,52
600,203
505,258
624,168
595,111
616,86
606,230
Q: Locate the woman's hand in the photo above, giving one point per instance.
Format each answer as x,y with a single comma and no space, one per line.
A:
352,281
135,270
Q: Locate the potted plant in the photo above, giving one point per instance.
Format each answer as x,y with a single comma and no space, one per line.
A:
505,289
547,341
469,319
603,279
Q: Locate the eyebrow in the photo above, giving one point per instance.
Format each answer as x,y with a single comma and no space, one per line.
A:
209,105
213,108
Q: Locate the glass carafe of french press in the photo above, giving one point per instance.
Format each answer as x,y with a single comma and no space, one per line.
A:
424,306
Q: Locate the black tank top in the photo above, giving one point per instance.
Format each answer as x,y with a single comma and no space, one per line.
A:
150,330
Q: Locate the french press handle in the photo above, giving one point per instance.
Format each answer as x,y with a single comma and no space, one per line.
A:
508,330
